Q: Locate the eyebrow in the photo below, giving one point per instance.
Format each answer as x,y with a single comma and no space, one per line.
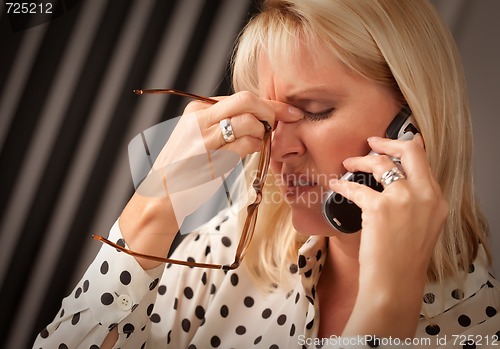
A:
313,93
316,94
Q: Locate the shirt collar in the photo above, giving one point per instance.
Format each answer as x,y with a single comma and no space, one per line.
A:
312,256
441,296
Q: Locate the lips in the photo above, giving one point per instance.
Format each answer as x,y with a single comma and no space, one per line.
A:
302,190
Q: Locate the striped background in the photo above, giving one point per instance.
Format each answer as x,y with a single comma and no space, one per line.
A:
66,116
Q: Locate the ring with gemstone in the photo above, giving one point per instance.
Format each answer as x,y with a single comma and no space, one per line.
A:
394,174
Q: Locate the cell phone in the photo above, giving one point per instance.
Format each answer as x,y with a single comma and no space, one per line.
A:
343,214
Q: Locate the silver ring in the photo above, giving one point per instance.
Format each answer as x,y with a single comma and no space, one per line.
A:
227,130
393,175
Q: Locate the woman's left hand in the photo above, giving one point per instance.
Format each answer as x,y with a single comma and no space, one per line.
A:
400,226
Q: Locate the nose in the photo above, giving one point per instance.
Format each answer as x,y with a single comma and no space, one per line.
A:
287,143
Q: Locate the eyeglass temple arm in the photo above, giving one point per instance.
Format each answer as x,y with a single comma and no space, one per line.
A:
186,94
158,259
175,92
246,239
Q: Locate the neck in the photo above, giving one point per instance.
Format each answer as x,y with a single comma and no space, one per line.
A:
338,284
343,258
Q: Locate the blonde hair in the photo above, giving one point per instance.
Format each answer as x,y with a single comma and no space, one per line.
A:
403,45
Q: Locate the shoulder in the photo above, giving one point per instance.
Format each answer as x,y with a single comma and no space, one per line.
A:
467,308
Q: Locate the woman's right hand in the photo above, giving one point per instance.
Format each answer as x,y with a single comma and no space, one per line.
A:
246,112
149,222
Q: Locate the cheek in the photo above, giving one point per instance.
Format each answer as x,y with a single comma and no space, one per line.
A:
275,166
275,175
329,147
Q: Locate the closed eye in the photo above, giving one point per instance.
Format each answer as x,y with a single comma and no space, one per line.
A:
322,115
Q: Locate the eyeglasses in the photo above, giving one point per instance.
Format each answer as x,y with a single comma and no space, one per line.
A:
252,209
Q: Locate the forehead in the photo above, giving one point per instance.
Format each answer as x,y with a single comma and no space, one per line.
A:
301,65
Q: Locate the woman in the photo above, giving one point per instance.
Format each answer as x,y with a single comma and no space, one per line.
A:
329,76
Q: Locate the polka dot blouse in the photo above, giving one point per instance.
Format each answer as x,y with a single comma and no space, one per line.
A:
180,307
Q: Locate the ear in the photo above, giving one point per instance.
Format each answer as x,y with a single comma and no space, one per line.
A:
419,139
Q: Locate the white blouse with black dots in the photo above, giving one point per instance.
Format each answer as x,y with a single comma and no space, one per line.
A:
180,307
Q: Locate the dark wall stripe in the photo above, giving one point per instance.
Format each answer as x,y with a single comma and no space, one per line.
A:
225,86
9,44
193,52
26,115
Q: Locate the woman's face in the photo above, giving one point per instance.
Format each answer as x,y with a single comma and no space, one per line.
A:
341,111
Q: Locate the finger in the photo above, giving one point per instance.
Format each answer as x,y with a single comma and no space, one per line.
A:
244,146
247,125
360,194
283,112
376,164
240,103
411,153
246,102
286,112
196,104
245,142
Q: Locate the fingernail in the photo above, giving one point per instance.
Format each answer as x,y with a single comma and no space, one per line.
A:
374,139
333,181
295,112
